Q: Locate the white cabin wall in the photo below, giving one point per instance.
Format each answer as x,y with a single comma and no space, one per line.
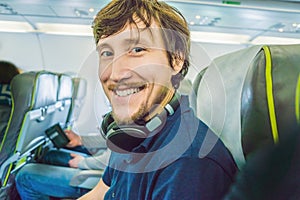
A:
22,49
65,53
58,53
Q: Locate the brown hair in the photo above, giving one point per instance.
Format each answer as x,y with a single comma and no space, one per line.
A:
113,18
7,71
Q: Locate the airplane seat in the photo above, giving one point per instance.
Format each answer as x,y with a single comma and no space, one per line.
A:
185,87
33,105
271,97
88,179
5,107
71,94
250,97
64,99
78,95
84,178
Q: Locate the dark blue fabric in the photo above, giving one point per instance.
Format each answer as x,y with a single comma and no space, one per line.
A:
56,157
184,161
61,158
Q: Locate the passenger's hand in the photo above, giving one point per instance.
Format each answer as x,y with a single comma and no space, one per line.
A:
75,160
75,139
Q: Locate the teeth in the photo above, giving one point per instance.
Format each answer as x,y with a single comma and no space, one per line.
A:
123,93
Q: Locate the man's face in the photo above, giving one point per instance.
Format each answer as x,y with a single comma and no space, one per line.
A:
134,71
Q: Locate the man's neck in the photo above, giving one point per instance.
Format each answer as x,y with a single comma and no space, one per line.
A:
161,106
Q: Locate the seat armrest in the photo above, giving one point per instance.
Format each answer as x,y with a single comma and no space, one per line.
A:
86,178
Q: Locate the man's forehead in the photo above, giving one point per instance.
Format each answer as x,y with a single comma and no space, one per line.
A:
133,34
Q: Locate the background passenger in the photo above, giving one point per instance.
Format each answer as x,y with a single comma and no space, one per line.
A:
36,181
7,72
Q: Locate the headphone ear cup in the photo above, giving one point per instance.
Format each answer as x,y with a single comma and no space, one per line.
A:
124,138
106,124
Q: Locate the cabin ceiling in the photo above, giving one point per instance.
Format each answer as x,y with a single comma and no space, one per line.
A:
254,18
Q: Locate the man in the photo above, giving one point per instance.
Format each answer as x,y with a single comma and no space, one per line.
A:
36,181
143,50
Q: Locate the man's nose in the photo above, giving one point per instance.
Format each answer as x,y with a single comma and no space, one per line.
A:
120,68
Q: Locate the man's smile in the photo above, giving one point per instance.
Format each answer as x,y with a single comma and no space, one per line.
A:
123,91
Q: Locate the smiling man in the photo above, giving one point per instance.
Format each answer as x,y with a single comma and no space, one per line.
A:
160,149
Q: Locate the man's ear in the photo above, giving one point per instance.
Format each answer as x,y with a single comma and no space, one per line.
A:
177,62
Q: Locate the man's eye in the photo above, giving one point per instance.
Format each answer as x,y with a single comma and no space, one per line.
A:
106,53
137,50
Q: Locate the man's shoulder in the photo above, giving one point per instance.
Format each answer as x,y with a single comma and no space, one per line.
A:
214,149
208,146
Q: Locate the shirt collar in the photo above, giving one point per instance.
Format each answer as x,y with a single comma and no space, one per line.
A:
183,107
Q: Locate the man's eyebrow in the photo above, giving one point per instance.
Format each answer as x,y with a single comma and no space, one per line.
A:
101,46
139,39
134,41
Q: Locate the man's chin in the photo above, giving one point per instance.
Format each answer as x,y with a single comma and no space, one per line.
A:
124,116
122,120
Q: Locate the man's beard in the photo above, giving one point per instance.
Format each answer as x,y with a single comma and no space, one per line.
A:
143,111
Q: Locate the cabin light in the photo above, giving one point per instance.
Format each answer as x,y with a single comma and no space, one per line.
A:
221,38
199,20
65,29
275,40
286,27
15,26
80,13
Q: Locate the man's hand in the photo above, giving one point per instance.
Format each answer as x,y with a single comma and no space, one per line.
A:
75,139
75,160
